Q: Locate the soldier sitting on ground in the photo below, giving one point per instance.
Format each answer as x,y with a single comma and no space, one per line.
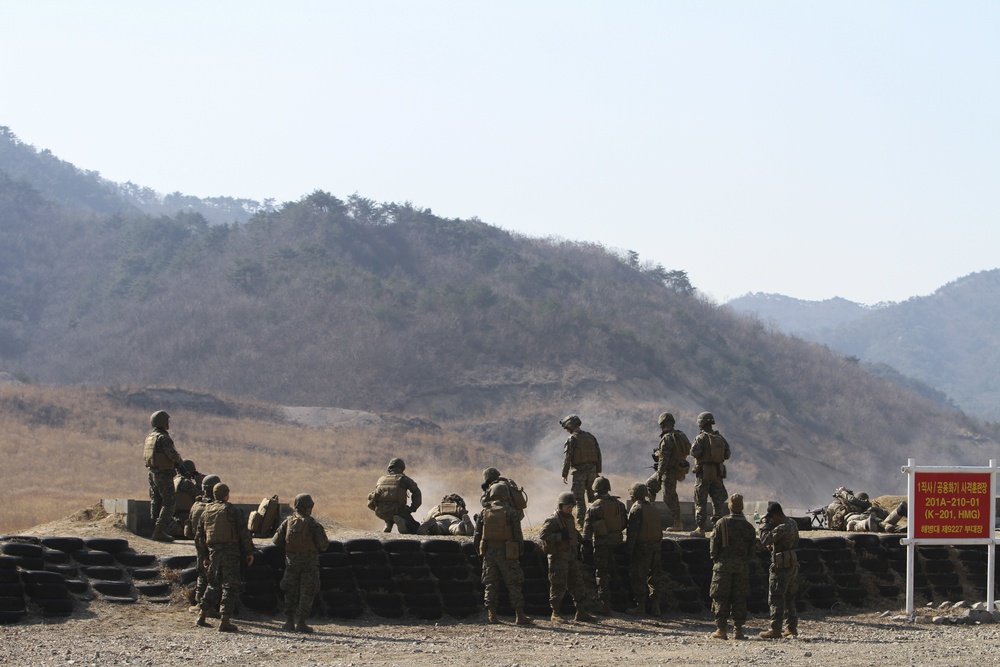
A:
388,500
449,517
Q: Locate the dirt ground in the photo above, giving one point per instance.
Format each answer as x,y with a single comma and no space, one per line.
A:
101,633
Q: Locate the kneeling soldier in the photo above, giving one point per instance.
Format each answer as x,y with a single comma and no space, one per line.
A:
303,538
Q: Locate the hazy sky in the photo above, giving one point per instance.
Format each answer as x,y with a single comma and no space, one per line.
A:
814,149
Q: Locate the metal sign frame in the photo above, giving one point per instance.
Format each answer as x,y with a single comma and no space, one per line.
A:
911,541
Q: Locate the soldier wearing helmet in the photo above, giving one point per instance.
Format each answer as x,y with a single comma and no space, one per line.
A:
222,531
561,540
603,525
187,489
206,498
389,499
710,451
732,546
303,538
582,455
162,460
500,542
448,517
672,465
780,535
642,543
518,497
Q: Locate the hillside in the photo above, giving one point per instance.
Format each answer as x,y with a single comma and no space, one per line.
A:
946,340
388,308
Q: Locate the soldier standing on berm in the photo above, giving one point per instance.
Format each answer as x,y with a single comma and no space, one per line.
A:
671,465
162,460
710,450
582,454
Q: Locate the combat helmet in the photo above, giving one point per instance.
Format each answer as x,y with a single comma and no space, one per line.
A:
706,418
567,499
570,421
208,484
159,419
303,500
490,475
664,418
602,485
638,490
397,465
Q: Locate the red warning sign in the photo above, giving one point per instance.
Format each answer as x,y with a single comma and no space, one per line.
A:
951,505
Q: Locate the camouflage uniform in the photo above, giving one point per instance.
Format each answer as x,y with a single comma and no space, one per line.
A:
674,448
500,561
161,460
197,509
222,531
303,538
388,508
449,517
732,545
582,455
708,479
492,476
782,539
607,509
643,547
561,540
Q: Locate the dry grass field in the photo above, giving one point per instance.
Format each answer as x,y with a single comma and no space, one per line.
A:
65,448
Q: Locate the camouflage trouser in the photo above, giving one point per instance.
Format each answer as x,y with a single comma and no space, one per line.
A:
702,490
566,574
782,587
645,572
604,567
202,585
583,488
162,500
224,580
729,590
496,568
388,511
300,584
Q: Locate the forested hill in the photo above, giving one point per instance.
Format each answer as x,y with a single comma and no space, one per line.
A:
389,308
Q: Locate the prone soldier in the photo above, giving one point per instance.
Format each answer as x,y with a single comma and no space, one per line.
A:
561,541
582,455
449,517
603,526
303,538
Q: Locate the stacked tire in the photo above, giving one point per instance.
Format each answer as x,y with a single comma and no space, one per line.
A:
12,602
338,590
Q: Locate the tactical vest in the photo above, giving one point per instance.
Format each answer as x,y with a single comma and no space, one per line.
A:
219,526
613,514
496,526
390,489
672,448
586,449
197,509
154,456
449,508
649,528
715,451
185,493
298,537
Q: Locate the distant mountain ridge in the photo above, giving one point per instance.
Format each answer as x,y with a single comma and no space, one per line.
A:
387,308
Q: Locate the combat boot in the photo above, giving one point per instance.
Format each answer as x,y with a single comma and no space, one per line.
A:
720,633
201,622
520,618
678,527
160,535
491,615
771,634
582,616
289,625
213,613
605,609
790,632
226,625
699,531
556,617
654,609
738,632
302,627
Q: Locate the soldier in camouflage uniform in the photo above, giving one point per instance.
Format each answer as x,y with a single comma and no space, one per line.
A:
561,542
709,450
582,455
222,531
388,500
162,460
303,538
671,466
490,477
194,516
733,544
642,543
448,517
498,539
187,490
603,525
780,535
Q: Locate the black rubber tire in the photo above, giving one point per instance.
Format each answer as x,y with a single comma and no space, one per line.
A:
933,552
807,555
112,545
28,563
8,562
46,591
441,560
12,603
535,586
43,578
943,580
55,557
266,603
22,549
77,586
383,585
55,606
383,600
261,573
11,617
441,546
811,568
381,572
260,587
841,566
189,575
335,546
696,544
889,591
937,567
94,558
362,544
457,586
64,570
273,555
830,542
336,574
179,562
414,572
12,589
820,591
9,576
64,544
133,559
847,580
368,558
428,613
112,588
890,541
832,555
417,587
406,559
144,573
874,565
869,540
104,573
333,559
401,546
452,573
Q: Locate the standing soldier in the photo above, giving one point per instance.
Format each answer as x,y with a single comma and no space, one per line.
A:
732,545
162,460
303,537
518,498
561,541
388,500
498,539
671,466
642,543
781,535
604,523
710,450
222,531
582,454
206,498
